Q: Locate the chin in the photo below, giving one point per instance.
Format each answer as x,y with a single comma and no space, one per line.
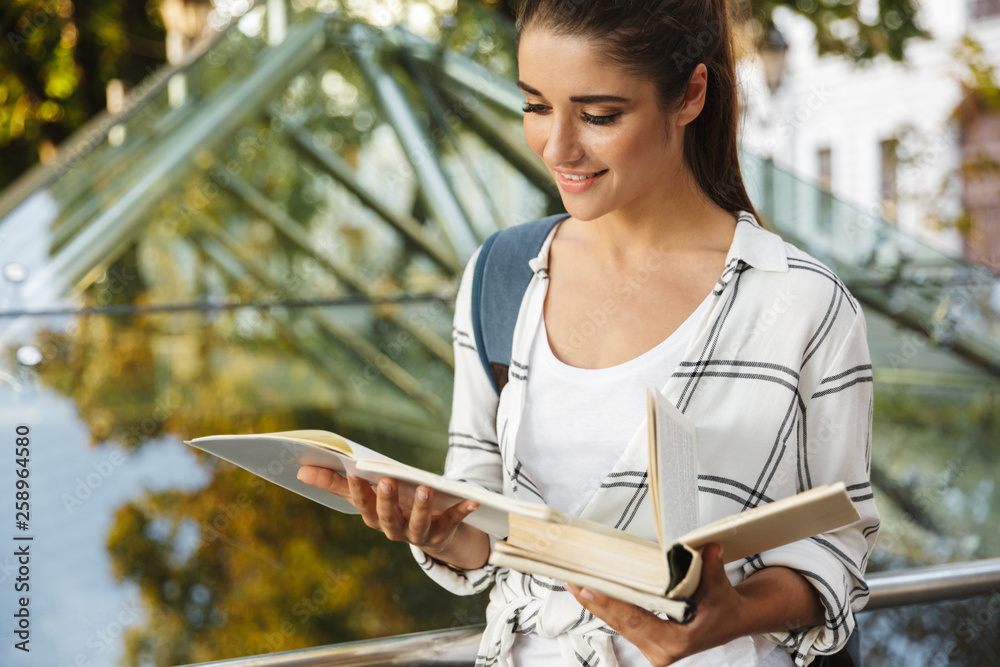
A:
582,213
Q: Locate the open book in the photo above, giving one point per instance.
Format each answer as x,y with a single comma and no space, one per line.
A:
660,576
663,575
277,458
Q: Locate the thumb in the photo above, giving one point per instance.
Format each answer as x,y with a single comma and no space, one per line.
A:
713,567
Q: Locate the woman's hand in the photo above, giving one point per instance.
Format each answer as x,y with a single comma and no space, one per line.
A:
439,534
771,600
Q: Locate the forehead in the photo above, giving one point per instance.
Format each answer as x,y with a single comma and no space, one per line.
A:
556,63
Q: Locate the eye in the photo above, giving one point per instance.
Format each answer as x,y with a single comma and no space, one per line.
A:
600,120
533,108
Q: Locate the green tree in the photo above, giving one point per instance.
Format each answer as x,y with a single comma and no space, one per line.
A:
840,26
58,56
242,567
56,59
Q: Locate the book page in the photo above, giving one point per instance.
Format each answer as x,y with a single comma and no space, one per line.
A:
673,468
277,458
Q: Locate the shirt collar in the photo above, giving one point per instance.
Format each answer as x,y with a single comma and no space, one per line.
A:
752,244
757,246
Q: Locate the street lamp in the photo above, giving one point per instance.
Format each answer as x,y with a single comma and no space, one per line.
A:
773,53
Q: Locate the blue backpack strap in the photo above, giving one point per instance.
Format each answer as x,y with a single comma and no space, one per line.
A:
499,280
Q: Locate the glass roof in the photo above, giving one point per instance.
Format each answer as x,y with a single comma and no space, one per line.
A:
271,238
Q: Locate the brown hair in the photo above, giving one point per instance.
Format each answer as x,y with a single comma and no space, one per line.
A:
663,41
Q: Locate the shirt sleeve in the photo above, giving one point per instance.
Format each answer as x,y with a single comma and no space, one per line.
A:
837,427
473,452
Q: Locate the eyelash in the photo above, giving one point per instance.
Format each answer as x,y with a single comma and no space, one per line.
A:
587,118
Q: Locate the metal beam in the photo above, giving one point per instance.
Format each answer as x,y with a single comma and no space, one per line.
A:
264,207
439,117
229,108
411,230
349,338
936,583
435,188
490,127
458,646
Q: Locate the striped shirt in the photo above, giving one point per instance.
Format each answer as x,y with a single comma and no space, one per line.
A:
777,379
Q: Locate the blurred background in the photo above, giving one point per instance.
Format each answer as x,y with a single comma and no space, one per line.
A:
231,216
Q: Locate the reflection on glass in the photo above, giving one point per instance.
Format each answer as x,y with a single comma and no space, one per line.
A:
265,256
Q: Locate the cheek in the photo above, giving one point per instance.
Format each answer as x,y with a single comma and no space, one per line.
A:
642,152
534,133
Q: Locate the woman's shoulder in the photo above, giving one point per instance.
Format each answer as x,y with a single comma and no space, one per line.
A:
808,274
786,267
784,284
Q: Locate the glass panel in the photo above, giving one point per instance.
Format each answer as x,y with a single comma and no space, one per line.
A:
949,303
266,254
261,257
966,632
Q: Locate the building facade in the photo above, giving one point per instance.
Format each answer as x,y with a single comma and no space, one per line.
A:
899,140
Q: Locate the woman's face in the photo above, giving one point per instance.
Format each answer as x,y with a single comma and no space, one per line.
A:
600,131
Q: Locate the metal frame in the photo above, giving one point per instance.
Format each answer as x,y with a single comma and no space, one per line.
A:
443,648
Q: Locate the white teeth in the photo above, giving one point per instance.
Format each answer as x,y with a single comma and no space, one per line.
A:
569,177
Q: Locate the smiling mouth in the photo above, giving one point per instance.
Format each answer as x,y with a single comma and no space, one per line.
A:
569,177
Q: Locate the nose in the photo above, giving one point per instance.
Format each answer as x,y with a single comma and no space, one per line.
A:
562,145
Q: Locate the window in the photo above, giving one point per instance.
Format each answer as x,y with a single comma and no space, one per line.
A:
824,209
824,157
888,190
982,8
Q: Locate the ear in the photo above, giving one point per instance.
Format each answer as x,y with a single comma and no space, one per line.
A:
694,100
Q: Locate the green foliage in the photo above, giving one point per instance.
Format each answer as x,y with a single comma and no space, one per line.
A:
980,80
243,567
56,59
842,30
840,27
58,56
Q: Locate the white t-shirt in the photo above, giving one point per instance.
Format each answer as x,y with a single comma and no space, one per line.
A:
577,423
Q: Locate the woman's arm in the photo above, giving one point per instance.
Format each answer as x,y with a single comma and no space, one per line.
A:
772,600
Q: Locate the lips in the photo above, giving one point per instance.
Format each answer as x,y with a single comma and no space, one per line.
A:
575,184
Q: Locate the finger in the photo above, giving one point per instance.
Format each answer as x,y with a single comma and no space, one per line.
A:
390,518
326,479
420,515
623,617
456,514
713,570
364,499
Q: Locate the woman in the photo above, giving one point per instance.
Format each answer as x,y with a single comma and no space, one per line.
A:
659,275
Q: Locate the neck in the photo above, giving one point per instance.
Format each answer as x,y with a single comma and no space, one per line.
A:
681,218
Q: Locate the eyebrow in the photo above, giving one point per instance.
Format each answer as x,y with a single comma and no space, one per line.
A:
579,99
